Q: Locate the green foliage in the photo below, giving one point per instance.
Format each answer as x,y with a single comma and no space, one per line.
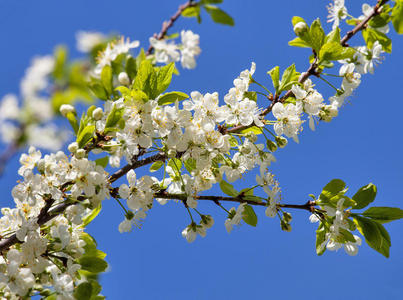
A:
156,166
333,188
289,77
317,35
228,189
60,62
85,135
106,79
364,196
384,214
114,117
83,291
91,216
171,97
218,15
103,161
375,234
397,16
371,35
249,215
335,51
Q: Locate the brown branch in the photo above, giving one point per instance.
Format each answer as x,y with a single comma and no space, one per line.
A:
168,24
309,206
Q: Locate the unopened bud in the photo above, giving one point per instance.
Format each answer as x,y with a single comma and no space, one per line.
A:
123,78
207,221
285,226
40,165
245,150
251,137
287,217
281,141
80,153
300,28
272,146
66,108
171,153
97,114
73,147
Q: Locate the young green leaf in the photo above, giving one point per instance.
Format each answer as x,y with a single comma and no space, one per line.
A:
191,12
397,16
228,189
99,91
375,234
333,188
317,35
275,77
93,264
290,77
164,78
218,15
103,161
156,166
298,42
249,215
131,67
384,214
85,135
83,291
91,216
114,117
335,51
171,97
364,196
106,79
320,239
371,35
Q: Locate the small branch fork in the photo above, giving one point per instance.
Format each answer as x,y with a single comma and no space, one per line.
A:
48,214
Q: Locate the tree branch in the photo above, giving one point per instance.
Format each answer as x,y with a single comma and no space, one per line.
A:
168,24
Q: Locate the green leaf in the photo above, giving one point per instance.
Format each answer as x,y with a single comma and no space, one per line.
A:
371,35
190,164
333,36
85,135
375,234
275,77
146,79
131,67
164,78
254,129
114,117
171,97
218,15
91,216
333,188
60,62
320,239
317,35
93,264
191,12
72,118
364,196
335,51
126,92
228,189
106,79
103,161
99,91
175,164
384,214
249,216
83,291
397,17
251,95
290,76
156,166
298,42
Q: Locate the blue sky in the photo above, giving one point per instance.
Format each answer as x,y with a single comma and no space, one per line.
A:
362,145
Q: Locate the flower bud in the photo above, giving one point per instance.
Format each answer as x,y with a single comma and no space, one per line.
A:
281,141
73,147
171,153
123,78
80,153
287,217
272,146
251,137
97,114
245,150
207,221
40,165
66,108
300,28
285,226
